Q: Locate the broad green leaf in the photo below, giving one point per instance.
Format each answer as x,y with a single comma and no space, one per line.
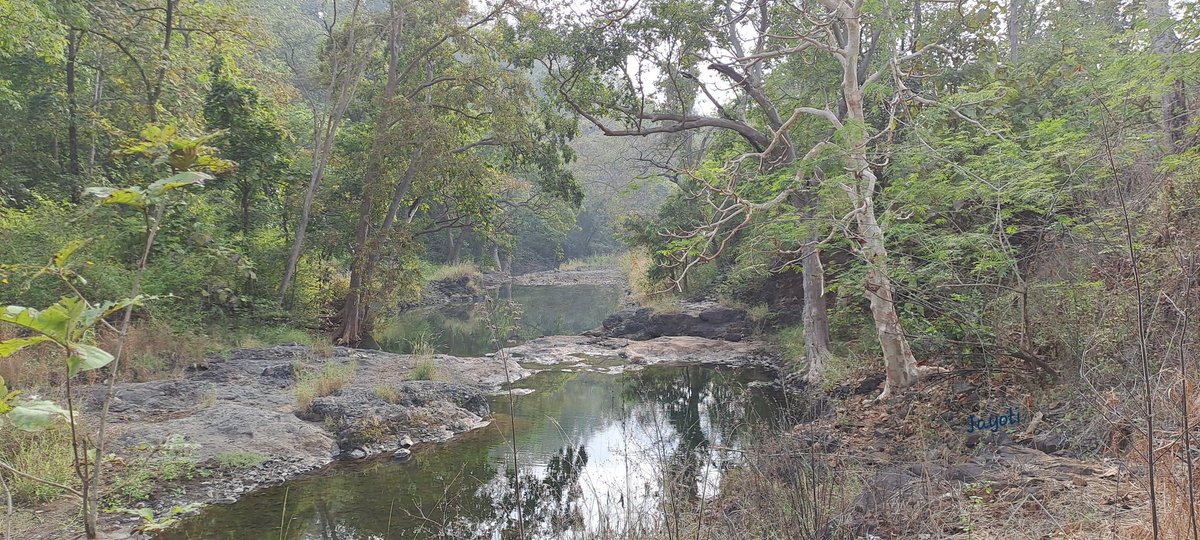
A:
53,322
86,358
183,179
130,196
10,346
92,315
36,415
59,260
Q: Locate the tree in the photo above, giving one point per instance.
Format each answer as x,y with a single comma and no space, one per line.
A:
250,136
447,100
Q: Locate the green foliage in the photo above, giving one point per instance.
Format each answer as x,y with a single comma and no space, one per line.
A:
152,523
155,466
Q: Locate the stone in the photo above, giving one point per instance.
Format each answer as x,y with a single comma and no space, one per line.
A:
357,453
402,454
699,319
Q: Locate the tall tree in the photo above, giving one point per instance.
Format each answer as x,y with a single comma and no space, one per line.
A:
600,59
449,118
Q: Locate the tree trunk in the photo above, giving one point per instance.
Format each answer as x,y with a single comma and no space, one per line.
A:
354,311
1174,99
816,316
898,360
453,248
1013,30
339,94
72,114
247,191
354,308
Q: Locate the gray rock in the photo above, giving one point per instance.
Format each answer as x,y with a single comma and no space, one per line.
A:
701,319
280,371
357,453
402,454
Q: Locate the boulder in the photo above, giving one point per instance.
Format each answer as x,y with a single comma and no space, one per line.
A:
699,319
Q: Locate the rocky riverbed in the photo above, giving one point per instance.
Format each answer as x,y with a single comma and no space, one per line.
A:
245,403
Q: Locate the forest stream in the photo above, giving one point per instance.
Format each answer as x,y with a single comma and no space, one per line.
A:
599,447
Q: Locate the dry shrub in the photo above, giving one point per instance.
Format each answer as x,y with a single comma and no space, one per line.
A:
154,350
45,454
783,490
32,368
1177,504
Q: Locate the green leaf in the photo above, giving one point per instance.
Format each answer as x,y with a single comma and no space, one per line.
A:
183,179
130,196
59,260
92,315
10,346
52,322
36,415
86,358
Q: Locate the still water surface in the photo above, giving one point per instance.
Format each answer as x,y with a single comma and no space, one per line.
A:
596,451
461,330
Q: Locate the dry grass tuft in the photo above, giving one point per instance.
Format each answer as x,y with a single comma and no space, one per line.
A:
329,379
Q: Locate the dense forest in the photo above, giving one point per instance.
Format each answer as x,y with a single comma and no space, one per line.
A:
929,195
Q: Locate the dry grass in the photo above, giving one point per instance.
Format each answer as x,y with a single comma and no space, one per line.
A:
329,379
452,271
607,260
388,393
45,454
424,370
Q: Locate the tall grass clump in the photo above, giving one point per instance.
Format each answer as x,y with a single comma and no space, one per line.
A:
329,379
424,370
441,272
597,261
44,454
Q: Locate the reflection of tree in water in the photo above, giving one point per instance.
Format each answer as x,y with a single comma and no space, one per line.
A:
693,399
550,504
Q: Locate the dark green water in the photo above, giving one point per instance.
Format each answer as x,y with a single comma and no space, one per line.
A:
595,452
462,331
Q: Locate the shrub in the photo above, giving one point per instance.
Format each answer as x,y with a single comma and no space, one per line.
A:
452,271
329,379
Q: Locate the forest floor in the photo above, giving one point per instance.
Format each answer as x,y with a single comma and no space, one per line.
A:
916,472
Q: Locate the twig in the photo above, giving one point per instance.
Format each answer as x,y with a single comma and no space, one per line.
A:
50,483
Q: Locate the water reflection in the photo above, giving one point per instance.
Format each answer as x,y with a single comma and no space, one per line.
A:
596,452
461,330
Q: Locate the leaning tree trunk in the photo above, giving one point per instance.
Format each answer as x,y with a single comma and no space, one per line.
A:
338,96
899,363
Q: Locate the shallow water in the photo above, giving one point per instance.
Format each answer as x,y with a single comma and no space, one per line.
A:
461,330
595,452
